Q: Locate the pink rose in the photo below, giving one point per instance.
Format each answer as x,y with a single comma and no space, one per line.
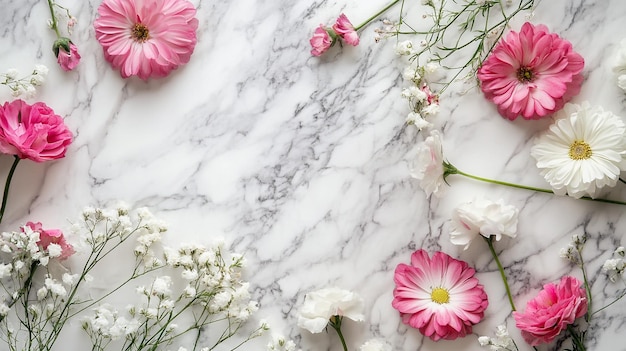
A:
34,132
68,60
554,308
321,41
52,236
344,28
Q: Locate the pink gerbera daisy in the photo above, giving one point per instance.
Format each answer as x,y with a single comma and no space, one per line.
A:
439,296
532,73
146,38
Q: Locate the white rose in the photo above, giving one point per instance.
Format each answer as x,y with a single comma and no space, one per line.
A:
322,304
483,217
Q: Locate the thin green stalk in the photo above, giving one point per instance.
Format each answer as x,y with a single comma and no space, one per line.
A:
576,340
608,305
501,269
54,18
335,322
376,15
586,282
7,185
526,187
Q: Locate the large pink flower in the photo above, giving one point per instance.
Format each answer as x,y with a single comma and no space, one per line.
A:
146,38
439,296
34,132
344,28
52,236
532,73
554,308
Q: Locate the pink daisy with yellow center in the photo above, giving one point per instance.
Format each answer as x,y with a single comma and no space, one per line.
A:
439,296
146,38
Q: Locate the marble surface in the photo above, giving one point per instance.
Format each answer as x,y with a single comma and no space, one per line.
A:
302,163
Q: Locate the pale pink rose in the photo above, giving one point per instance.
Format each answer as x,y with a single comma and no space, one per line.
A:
52,236
68,60
554,308
344,28
33,131
320,41
146,38
532,73
439,296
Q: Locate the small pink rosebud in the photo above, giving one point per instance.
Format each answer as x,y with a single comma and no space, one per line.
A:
344,28
67,59
321,41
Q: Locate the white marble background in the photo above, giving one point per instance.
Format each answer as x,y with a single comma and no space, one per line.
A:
301,162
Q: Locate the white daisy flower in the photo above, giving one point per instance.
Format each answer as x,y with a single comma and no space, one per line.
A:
583,152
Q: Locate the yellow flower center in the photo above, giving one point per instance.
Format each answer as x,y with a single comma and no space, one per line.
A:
525,74
440,295
580,150
140,32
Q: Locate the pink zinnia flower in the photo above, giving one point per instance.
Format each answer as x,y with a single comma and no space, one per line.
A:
439,296
33,131
68,60
320,41
554,308
146,38
532,73
52,236
344,28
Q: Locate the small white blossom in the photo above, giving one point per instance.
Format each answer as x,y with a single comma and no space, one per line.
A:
55,288
42,293
4,309
375,345
162,286
431,109
404,48
54,250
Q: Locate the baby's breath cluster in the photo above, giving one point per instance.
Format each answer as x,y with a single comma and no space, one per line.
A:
502,341
176,290
458,35
280,343
423,103
187,288
615,267
25,86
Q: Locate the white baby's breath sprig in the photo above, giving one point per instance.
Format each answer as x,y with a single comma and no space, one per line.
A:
472,27
25,86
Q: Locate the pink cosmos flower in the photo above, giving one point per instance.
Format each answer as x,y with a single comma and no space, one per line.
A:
68,60
320,41
532,73
439,296
554,308
146,38
344,28
33,131
52,236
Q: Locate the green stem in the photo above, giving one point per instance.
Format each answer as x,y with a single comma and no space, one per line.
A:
7,185
586,282
335,322
54,19
576,339
489,241
606,306
526,187
376,15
